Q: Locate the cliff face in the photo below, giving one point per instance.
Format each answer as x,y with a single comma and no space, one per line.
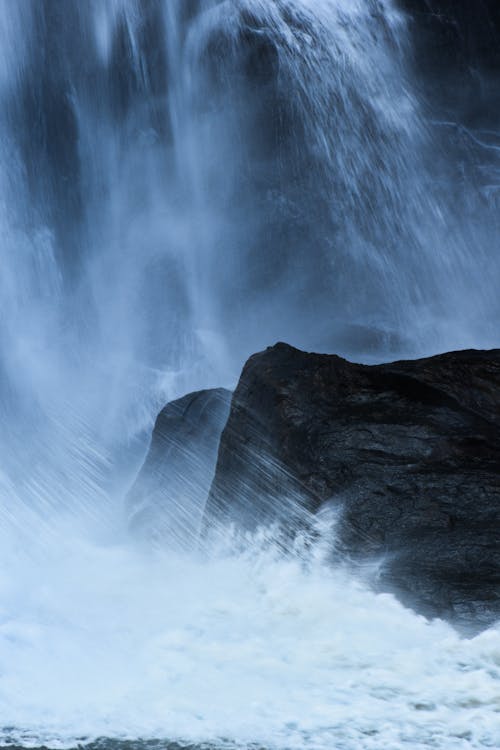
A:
456,57
408,451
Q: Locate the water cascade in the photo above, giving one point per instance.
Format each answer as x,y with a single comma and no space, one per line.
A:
182,183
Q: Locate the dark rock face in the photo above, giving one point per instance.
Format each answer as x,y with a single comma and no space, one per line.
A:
456,52
409,451
462,34
168,497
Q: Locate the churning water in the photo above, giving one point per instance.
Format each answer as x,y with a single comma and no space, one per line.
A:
184,182
249,650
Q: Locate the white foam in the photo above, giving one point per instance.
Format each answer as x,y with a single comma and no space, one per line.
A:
104,641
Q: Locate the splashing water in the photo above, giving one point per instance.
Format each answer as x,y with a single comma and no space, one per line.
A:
182,183
253,649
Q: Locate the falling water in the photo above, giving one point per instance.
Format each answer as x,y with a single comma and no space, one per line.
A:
182,183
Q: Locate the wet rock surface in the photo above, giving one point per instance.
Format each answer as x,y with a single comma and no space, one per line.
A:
456,56
409,453
167,499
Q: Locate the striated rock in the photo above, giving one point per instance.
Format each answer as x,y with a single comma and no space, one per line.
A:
167,499
409,452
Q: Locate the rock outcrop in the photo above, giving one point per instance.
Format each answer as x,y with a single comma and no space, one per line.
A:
167,499
408,451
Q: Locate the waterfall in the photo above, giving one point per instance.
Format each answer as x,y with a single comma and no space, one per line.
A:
185,182
182,183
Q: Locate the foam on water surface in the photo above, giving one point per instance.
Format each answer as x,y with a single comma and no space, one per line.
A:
249,649
182,184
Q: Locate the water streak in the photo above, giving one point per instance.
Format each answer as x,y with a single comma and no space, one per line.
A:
182,183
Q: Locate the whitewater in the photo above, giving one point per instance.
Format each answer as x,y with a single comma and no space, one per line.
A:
182,184
248,650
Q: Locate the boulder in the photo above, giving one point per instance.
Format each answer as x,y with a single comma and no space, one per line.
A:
167,499
408,453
